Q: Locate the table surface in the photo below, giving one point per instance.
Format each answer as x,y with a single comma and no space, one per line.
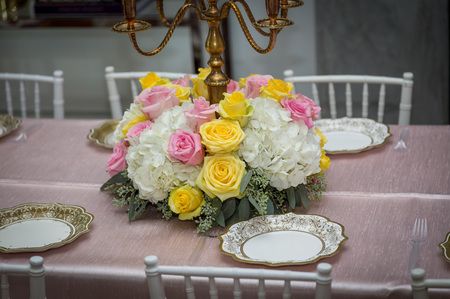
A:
376,196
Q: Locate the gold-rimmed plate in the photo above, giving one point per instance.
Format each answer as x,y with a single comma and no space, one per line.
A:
103,135
446,247
8,123
352,135
282,240
36,227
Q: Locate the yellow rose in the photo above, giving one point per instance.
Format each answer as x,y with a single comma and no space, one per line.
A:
200,89
132,123
277,89
235,106
243,82
323,138
152,79
221,176
324,161
186,201
221,136
181,92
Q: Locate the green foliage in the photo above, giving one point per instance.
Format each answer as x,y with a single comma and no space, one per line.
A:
315,186
209,213
164,209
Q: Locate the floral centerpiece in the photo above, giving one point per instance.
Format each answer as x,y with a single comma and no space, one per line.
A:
255,153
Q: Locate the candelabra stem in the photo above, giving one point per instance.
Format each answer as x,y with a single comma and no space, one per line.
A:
216,81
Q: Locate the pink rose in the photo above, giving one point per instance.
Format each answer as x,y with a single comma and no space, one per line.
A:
183,81
302,109
232,86
117,162
137,129
157,99
186,147
201,113
254,83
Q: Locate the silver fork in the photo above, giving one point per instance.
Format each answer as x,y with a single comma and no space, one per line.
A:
418,236
401,143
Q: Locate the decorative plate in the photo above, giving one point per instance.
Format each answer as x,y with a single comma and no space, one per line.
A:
446,247
35,227
103,135
352,135
8,123
282,240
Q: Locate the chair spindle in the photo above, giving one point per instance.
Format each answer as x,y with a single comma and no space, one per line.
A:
4,287
332,96
287,290
190,292
37,101
213,289
365,101
261,289
9,105
23,107
348,99
381,102
134,91
237,294
315,93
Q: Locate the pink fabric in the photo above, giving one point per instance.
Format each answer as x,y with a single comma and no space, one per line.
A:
107,262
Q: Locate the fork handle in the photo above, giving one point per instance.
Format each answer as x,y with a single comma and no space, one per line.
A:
413,258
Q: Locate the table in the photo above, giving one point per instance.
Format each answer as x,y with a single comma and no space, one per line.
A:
58,164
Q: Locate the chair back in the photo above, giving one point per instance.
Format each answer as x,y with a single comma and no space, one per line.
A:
420,285
132,77
322,279
35,270
56,81
406,84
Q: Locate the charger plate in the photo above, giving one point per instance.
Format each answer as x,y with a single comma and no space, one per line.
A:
103,134
352,135
446,247
282,240
8,123
36,227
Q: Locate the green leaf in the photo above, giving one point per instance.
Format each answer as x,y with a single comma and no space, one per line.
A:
244,209
245,180
220,219
303,193
233,219
255,204
228,208
290,192
118,179
270,208
136,208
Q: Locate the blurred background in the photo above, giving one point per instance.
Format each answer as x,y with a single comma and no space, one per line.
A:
379,37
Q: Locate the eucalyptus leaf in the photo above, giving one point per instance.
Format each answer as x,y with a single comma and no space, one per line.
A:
245,180
255,204
290,192
228,208
234,218
117,179
270,208
136,208
220,219
244,209
301,190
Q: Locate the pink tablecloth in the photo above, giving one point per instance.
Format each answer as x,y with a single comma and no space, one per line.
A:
375,195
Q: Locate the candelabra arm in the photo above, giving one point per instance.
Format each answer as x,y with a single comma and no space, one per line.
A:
178,17
162,15
272,35
251,17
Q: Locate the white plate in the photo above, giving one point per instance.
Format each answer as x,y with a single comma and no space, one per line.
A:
352,135
37,227
278,240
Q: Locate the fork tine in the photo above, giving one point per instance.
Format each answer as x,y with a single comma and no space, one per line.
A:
415,228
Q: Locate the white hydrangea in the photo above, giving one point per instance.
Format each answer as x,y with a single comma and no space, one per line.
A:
134,111
149,167
287,151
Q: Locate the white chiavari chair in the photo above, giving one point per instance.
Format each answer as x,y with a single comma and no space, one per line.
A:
154,272
406,84
132,77
56,80
420,285
36,272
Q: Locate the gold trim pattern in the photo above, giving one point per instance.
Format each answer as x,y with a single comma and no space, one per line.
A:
379,133
74,216
100,134
329,232
446,247
8,123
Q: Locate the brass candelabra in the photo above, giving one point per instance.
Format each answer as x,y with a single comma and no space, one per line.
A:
209,11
